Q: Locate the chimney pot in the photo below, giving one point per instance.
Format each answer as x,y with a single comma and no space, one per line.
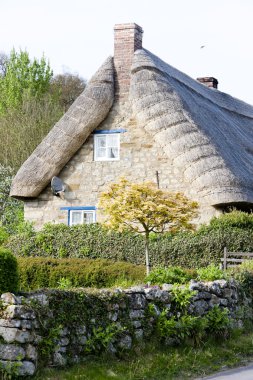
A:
209,81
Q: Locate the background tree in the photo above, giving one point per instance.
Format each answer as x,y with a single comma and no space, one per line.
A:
66,88
23,77
31,102
3,63
11,210
142,208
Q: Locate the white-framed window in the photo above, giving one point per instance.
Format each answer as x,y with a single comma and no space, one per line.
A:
106,147
82,217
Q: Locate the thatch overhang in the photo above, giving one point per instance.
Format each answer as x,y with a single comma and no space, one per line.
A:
207,133
68,135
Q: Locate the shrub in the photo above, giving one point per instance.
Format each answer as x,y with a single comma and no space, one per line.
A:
8,272
170,275
192,250
243,273
38,272
3,235
218,322
211,273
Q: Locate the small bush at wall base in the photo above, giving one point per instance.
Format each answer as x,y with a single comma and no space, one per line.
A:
39,272
8,272
171,275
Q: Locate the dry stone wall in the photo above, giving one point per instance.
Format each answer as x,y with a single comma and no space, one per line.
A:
69,325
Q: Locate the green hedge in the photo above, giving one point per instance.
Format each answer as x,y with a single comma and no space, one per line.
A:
40,272
91,241
8,272
205,246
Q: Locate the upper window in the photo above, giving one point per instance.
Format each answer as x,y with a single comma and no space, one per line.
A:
82,217
106,147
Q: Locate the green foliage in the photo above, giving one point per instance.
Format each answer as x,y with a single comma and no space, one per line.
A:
181,297
38,273
8,272
101,337
11,210
211,273
243,273
3,235
47,344
31,102
170,275
234,218
188,249
218,322
64,283
10,370
23,128
215,323
186,326
23,77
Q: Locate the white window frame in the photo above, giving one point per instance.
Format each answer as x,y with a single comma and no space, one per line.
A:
93,212
106,136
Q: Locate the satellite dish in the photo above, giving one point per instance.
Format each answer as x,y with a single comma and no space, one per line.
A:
58,187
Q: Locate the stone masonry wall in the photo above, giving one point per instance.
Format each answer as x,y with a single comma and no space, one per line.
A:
140,158
23,328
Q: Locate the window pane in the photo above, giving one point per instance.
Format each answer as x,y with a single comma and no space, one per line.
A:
113,141
101,141
76,217
113,152
88,217
101,152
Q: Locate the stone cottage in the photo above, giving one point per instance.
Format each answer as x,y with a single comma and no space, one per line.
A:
142,119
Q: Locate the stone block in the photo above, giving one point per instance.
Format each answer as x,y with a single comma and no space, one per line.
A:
22,368
136,314
11,335
10,299
10,323
31,353
11,352
19,311
137,301
125,343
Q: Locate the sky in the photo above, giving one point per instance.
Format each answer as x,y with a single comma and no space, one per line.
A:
77,35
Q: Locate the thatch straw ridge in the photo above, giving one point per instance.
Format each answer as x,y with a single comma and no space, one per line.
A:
209,134
68,135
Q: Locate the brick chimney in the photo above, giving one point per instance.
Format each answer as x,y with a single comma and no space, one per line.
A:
209,81
127,39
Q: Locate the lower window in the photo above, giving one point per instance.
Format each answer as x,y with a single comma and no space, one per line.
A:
82,217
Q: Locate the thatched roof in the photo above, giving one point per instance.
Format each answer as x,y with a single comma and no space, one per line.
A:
207,133
68,135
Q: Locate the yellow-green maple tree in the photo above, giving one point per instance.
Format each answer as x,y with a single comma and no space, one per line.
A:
142,208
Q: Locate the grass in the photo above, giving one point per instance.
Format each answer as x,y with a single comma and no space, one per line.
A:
155,362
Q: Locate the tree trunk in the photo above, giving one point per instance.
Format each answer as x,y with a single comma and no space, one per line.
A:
147,253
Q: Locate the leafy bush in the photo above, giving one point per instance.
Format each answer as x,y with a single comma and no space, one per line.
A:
215,323
170,275
218,322
3,235
234,218
41,272
211,273
192,250
8,272
243,273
